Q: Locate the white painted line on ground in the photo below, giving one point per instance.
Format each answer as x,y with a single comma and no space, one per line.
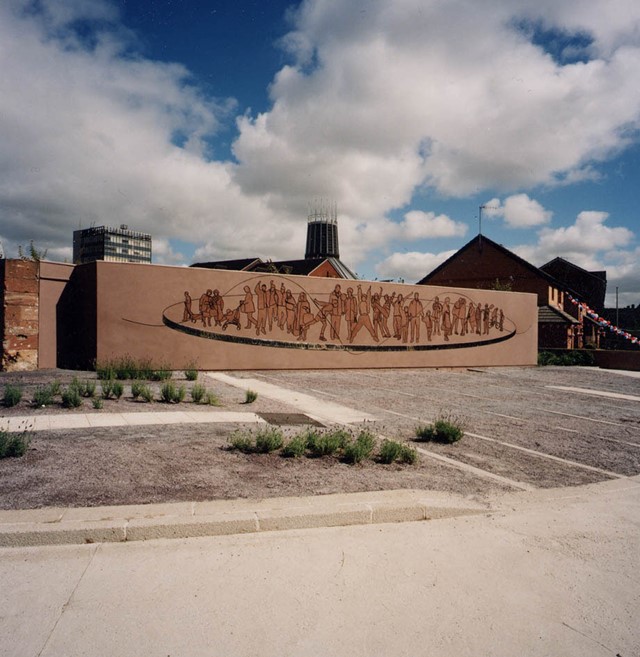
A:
597,393
547,456
589,419
476,471
322,410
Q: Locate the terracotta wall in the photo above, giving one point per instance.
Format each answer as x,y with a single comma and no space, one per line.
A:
20,318
54,277
140,311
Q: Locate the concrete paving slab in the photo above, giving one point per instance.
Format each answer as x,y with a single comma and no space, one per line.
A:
553,576
107,419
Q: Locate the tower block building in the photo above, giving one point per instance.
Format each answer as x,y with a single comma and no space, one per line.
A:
322,232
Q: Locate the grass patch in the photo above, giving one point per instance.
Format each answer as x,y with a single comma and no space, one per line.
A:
162,373
250,396
14,444
444,430
12,395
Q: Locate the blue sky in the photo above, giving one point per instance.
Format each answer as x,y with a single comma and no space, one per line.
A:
213,125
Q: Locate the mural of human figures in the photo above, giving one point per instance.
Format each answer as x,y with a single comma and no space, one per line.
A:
353,315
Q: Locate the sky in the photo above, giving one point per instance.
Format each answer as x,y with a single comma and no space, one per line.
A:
214,125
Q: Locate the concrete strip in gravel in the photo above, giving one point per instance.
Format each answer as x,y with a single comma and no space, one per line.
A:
597,393
189,519
88,420
318,409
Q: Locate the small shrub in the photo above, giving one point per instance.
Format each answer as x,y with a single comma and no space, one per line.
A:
12,395
106,371
211,399
325,444
87,388
444,430
71,397
198,391
242,442
170,393
107,388
136,389
296,446
163,373
360,449
191,373
97,403
390,451
13,444
250,396
45,395
269,440
146,394
118,389
408,455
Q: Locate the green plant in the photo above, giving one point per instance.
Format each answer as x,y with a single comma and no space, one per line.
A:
392,450
106,371
87,388
444,430
147,394
162,373
12,395
325,444
198,392
71,397
361,448
14,444
45,395
190,372
136,388
242,442
268,440
108,388
295,446
250,396
97,403
170,393
118,389
211,399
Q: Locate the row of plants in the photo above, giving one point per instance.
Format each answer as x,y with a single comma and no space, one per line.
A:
129,369
566,358
72,396
317,444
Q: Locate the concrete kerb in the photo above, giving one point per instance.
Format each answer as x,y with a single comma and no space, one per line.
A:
187,520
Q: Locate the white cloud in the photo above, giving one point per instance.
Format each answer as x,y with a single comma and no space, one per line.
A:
518,211
382,99
411,266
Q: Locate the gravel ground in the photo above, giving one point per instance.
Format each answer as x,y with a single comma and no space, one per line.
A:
516,406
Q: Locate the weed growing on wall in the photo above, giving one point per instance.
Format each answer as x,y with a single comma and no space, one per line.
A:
12,395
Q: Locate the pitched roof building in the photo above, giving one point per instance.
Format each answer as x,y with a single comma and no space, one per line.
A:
483,263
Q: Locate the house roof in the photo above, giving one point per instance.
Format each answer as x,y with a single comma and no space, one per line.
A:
553,315
477,241
241,264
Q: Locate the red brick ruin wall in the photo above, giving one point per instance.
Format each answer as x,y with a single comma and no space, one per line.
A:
20,314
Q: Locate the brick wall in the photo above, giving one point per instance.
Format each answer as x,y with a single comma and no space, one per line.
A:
19,288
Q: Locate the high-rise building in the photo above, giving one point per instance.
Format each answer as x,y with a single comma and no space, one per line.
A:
322,232
113,244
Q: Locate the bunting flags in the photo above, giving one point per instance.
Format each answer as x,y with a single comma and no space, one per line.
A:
604,323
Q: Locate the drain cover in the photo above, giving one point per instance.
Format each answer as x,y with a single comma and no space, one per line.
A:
289,419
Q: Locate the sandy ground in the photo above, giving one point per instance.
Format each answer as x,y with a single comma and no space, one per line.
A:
518,428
